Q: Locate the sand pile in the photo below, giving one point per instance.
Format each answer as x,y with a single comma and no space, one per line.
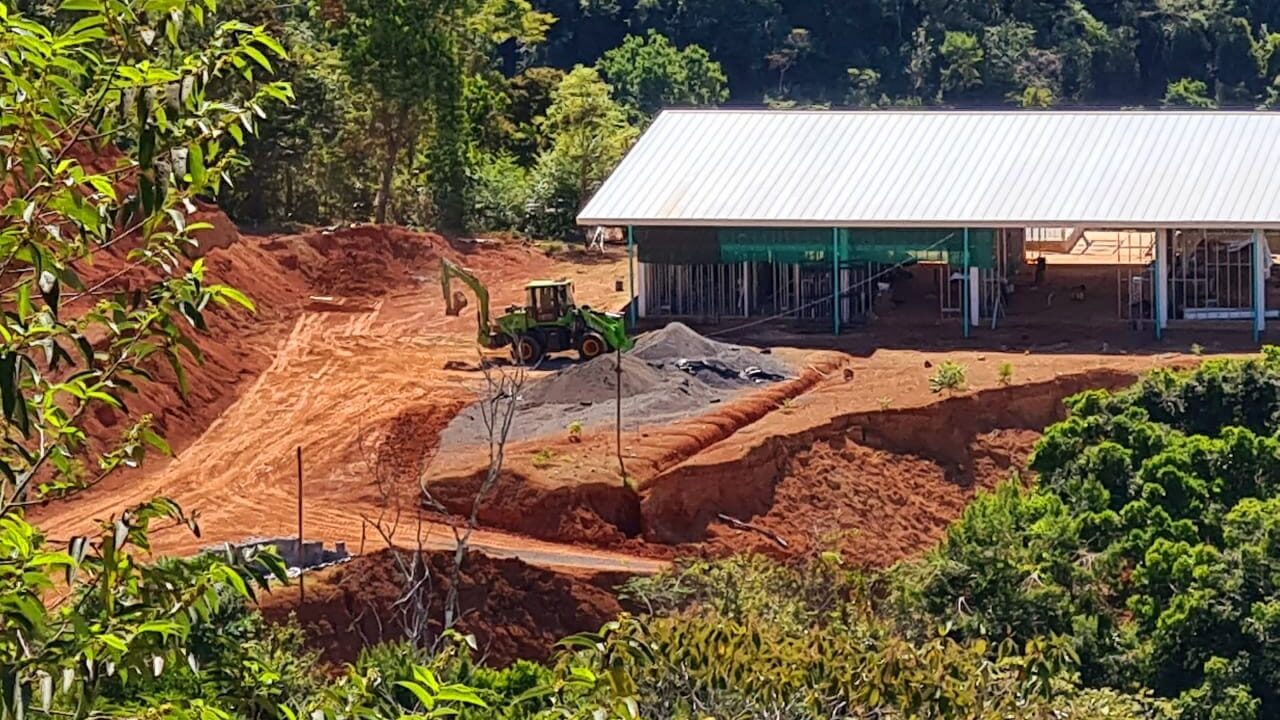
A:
670,374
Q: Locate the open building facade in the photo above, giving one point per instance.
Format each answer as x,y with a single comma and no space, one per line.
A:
837,219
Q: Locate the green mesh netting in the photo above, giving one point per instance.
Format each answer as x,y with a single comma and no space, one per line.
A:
813,246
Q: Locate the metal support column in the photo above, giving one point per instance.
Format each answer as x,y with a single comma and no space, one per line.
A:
1160,283
965,298
1260,252
835,281
975,294
631,275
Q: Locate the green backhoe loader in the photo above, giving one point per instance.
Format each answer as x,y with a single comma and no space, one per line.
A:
549,321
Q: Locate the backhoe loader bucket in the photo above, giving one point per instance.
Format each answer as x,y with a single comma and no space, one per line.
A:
456,305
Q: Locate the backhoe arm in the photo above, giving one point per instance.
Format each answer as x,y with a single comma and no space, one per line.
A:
448,271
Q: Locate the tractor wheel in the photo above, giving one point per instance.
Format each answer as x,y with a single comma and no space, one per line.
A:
591,346
526,350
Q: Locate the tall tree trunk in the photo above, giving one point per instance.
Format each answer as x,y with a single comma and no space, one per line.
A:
392,128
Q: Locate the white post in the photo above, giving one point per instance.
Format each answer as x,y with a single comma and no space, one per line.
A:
642,302
1160,284
1261,254
746,289
975,297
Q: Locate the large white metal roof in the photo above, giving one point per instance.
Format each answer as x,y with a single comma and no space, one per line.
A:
883,168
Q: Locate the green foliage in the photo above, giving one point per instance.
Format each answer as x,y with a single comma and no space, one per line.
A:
85,83
747,637
499,193
1004,374
406,55
1151,541
1188,92
648,73
864,84
478,74
949,376
116,624
588,134
962,56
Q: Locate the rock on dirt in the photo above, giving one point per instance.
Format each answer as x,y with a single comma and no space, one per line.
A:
670,374
514,610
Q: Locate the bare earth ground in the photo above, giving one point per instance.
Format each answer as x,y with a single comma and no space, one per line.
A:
346,360
348,364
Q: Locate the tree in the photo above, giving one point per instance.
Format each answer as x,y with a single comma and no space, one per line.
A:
69,98
739,34
407,54
1188,92
588,133
962,56
76,86
648,73
1004,46
796,45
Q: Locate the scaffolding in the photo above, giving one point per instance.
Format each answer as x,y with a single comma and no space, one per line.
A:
1210,276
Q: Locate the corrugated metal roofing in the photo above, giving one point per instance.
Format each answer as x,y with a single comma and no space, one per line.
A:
947,169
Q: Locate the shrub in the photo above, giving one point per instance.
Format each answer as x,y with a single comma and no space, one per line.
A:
949,376
1005,374
1150,540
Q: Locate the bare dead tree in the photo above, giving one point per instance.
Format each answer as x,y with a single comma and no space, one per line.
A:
397,491
497,408
403,490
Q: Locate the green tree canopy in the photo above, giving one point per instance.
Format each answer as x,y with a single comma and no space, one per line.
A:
407,54
588,133
649,73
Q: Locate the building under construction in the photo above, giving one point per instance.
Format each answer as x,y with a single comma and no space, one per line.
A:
831,219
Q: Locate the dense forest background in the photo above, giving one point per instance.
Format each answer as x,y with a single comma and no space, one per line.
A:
483,115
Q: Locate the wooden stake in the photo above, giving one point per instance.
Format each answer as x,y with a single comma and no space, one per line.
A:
617,425
302,592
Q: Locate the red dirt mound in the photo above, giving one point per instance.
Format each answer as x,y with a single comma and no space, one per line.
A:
280,275
879,485
361,260
411,440
594,513
514,610
876,507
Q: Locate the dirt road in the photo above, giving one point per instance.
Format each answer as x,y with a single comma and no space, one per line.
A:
343,372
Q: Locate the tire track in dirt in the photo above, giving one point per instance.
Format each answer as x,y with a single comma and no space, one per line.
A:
337,374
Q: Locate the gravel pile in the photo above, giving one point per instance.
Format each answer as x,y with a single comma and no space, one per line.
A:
670,374
718,364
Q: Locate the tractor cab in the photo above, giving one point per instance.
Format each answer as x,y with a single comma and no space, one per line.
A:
549,300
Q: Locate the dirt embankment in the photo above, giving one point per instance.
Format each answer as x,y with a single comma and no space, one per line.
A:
514,610
879,485
281,275
578,495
